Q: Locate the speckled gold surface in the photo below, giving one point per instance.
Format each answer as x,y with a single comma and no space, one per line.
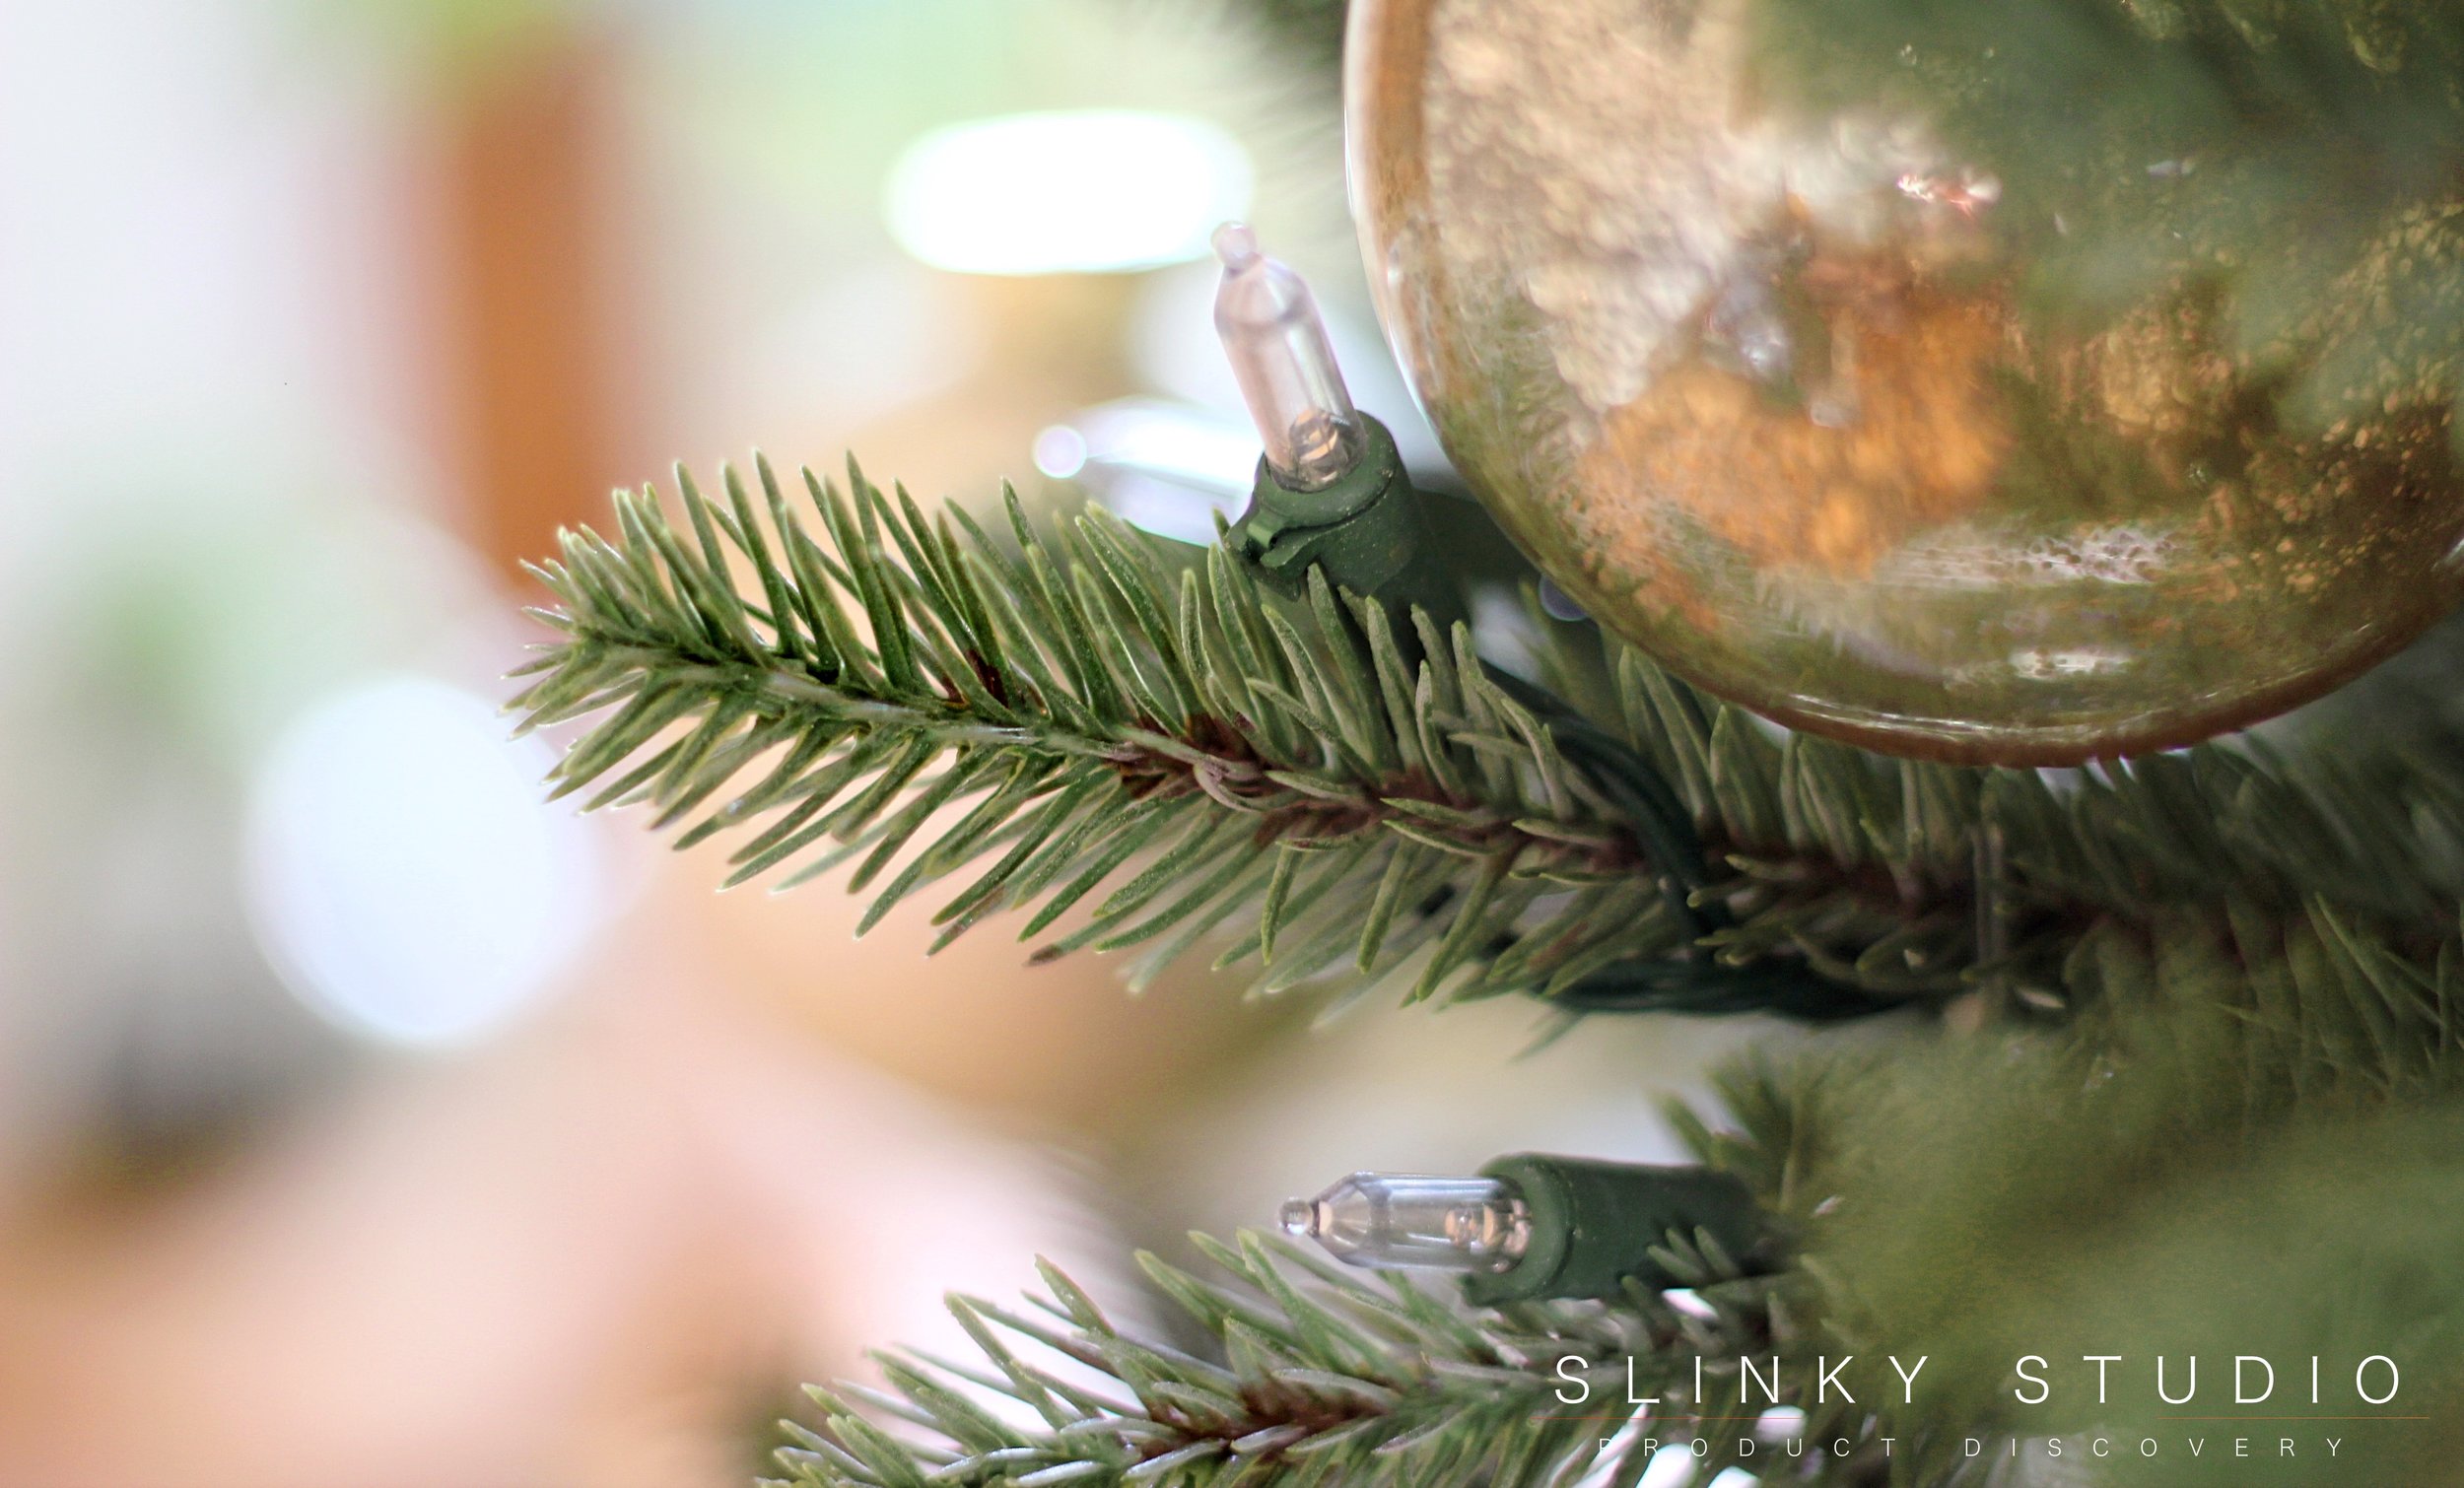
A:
1771,395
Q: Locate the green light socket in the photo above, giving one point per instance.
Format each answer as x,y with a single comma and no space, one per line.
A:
1594,1224
1364,531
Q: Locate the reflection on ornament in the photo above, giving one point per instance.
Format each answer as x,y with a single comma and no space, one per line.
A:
1797,370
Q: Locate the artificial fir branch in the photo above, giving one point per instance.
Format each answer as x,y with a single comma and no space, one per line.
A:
2242,942
1324,1379
1322,1375
1183,747
1950,1204
1106,721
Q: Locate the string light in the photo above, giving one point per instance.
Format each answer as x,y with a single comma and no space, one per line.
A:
1532,1225
1277,346
1385,1220
1078,191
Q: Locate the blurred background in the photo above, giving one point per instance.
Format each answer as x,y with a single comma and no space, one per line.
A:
364,1119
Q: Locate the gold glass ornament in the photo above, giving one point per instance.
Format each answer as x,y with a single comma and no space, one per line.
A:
2015,408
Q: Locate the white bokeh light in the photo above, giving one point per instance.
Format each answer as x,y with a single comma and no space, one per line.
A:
1195,447
1060,451
1095,191
401,870
1165,467
1673,1466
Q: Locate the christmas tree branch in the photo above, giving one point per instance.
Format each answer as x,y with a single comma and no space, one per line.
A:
1324,1379
2247,946
1321,1375
1142,740
1949,1206
1170,749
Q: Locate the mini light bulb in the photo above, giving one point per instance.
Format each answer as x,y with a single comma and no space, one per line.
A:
1389,1220
1278,350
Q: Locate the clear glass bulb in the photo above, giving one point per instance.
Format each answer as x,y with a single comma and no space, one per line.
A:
1390,1220
1278,349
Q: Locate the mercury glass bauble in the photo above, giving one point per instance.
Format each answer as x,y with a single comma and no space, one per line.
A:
2017,402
